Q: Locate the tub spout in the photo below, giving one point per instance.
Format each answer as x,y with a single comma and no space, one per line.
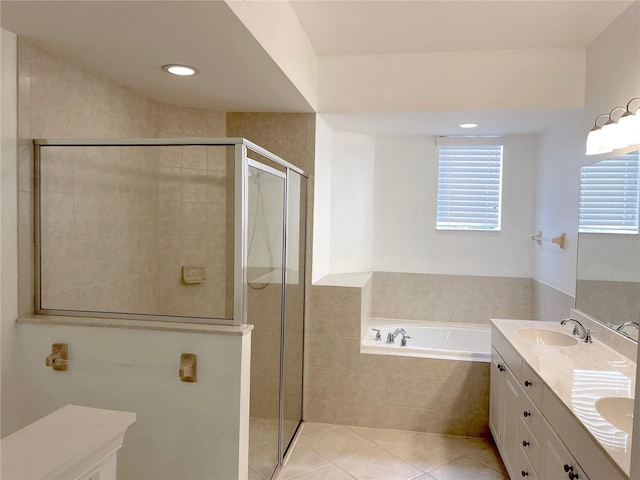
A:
391,337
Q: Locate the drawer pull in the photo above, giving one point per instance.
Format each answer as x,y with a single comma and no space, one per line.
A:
573,476
568,468
501,367
525,443
526,414
527,383
524,473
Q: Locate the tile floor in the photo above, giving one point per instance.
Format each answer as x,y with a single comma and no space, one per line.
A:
337,452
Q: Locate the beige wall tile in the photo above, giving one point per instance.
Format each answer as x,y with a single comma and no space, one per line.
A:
321,295
345,386
320,351
345,413
371,388
349,296
347,320
321,319
319,411
320,384
346,353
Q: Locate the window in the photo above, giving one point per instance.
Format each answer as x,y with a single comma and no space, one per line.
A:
469,186
609,195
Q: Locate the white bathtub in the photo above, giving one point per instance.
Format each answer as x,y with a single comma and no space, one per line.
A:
452,341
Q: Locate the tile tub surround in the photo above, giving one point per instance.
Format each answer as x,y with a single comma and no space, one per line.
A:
347,387
336,452
450,298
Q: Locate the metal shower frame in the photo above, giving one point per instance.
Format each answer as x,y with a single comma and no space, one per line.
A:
242,147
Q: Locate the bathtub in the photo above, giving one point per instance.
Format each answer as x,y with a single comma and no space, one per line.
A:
451,341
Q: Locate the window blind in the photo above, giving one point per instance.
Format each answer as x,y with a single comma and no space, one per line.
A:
469,187
609,195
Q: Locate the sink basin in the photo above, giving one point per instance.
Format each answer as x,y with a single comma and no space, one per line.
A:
547,337
618,411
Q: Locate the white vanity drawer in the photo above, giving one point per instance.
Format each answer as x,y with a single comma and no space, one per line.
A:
531,384
530,445
507,352
523,468
531,416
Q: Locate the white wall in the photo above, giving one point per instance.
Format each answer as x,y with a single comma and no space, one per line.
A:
322,200
482,80
405,236
182,430
8,214
612,79
351,202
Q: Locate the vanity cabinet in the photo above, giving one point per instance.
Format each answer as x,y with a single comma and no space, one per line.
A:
537,437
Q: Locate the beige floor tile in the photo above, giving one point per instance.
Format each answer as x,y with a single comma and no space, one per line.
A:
378,464
302,460
338,444
330,472
466,468
425,451
312,428
491,458
253,475
384,436
424,476
262,431
263,459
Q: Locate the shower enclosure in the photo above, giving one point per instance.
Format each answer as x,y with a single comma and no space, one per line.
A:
184,230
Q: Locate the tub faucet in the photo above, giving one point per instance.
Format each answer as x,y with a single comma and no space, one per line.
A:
391,337
578,330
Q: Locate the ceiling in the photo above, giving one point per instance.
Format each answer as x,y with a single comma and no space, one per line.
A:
374,27
130,40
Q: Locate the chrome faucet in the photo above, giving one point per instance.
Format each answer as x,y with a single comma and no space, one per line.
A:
391,337
578,330
620,327
403,342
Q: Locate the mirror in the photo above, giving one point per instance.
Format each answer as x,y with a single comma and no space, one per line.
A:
608,276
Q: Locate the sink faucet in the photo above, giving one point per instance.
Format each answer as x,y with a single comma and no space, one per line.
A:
391,337
578,330
620,327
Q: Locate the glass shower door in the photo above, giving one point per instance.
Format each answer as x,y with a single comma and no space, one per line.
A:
294,307
265,243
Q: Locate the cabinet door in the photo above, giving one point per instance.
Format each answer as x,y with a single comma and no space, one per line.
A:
511,398
496,410
557,461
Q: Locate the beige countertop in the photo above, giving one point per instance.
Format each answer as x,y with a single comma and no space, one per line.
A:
578,375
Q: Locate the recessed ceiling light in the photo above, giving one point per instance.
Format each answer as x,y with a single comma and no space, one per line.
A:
181,70
467,125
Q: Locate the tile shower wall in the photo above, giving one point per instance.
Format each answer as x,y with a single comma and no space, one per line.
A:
351,388
292,137
58,98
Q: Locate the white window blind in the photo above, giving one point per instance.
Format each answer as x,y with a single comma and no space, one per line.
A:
609,195
469,187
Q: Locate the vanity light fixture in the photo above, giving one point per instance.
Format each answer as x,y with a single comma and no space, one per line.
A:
180,70
615,133
467,125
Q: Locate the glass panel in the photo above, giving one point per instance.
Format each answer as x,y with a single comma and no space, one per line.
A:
294,307
265,232
144,230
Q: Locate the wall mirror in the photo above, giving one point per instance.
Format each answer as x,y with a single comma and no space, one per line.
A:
608,276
